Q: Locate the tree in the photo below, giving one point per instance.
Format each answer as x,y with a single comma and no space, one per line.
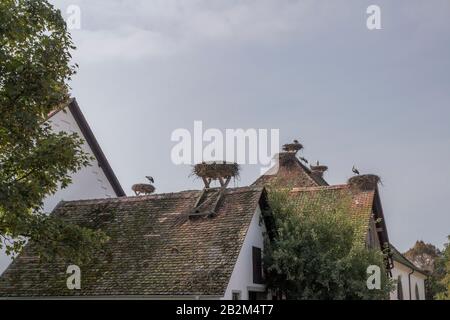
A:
442,273
425,256
35,69
318,253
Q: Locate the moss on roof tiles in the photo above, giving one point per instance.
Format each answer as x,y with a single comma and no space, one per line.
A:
358,203
154,248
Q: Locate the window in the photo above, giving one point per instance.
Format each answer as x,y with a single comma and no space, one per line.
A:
399,288
255,295
417,292
236,295
257,266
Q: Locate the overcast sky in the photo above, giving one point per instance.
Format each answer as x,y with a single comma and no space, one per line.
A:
378,99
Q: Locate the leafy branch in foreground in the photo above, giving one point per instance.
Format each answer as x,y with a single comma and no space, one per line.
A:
35,69
442,273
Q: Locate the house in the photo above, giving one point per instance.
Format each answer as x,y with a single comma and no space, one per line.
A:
410,280
95,181
364,204
308,183
203,244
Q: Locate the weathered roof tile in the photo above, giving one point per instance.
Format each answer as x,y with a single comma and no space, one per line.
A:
154,247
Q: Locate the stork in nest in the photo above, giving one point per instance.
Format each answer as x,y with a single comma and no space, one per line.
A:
144,189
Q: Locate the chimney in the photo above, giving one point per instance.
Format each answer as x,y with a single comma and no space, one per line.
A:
319,170
216,171
365,182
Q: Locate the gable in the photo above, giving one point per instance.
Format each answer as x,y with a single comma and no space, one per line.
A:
76,118
361,204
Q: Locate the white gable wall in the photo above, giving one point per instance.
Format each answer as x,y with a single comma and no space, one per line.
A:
241,279
88,183
417,277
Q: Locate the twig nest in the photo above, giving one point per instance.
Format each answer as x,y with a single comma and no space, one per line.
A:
216,170
143,189
293,147
364,182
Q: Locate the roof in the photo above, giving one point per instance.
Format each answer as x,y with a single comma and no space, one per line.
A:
397,256
89,136
289,172
155,247
359,203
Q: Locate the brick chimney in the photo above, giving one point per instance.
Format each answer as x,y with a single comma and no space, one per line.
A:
319,170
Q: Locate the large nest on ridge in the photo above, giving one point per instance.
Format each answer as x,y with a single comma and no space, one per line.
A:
364,182
214,170
293,147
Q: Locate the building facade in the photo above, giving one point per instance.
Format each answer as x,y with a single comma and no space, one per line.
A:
410,280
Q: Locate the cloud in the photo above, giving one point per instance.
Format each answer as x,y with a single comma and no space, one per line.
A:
129,30
310,68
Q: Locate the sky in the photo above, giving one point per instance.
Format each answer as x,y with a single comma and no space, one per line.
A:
377,99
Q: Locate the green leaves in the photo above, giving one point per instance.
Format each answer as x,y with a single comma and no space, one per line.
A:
35,67
317,254
440,279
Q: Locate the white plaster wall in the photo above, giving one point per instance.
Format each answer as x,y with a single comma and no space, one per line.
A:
416,277
88,183
242,276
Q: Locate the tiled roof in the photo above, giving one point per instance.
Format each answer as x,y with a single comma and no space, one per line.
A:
155,247
289,172
358,202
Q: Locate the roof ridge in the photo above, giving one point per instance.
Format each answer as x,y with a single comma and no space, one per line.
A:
332,187
167,195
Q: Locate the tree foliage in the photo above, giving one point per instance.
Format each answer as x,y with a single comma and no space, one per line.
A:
318,252
425,256
441,275
35,69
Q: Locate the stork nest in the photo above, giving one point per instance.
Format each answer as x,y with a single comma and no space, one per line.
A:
364,182
292,147
319,168
215,170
